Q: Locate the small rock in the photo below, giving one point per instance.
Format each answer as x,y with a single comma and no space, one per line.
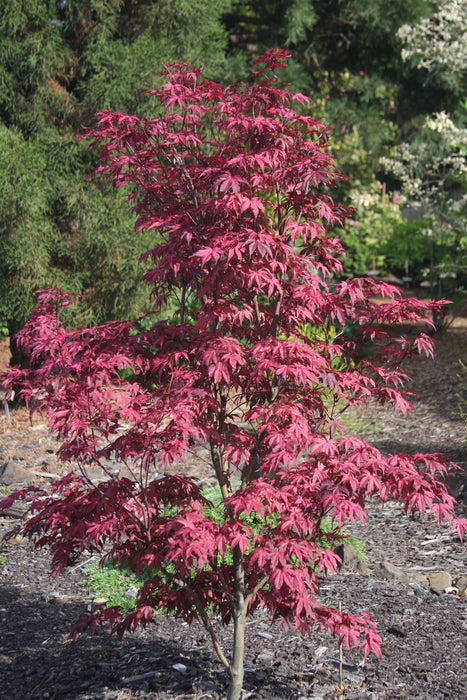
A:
181,668
13,473
265,635
452,590
461,584
440,580
131,593
61,599
16,510
390,572
320,651
419,579
350,561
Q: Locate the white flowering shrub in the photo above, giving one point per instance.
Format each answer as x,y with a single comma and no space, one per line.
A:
432,174
443,124
432,170
439,42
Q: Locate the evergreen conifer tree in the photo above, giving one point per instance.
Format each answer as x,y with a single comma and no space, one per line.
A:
59,63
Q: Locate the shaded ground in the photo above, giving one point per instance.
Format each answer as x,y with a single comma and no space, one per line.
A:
424,629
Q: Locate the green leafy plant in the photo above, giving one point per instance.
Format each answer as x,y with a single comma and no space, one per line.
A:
112,583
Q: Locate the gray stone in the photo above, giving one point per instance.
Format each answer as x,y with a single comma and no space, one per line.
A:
461,584
181,668
61,599
351,562
320,651
440,580
390,572
265,635
13,474
420,579
17,510
131,592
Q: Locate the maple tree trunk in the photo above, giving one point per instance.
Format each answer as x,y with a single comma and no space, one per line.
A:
239,616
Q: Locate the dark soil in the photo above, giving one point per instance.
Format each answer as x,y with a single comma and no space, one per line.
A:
424,629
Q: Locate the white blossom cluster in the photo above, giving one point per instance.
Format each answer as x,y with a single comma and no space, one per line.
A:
424,176
440,41
443,124
366,200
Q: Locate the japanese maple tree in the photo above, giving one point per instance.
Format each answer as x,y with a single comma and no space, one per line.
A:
256,363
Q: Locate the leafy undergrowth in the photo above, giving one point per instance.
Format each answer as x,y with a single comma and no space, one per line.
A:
119,586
